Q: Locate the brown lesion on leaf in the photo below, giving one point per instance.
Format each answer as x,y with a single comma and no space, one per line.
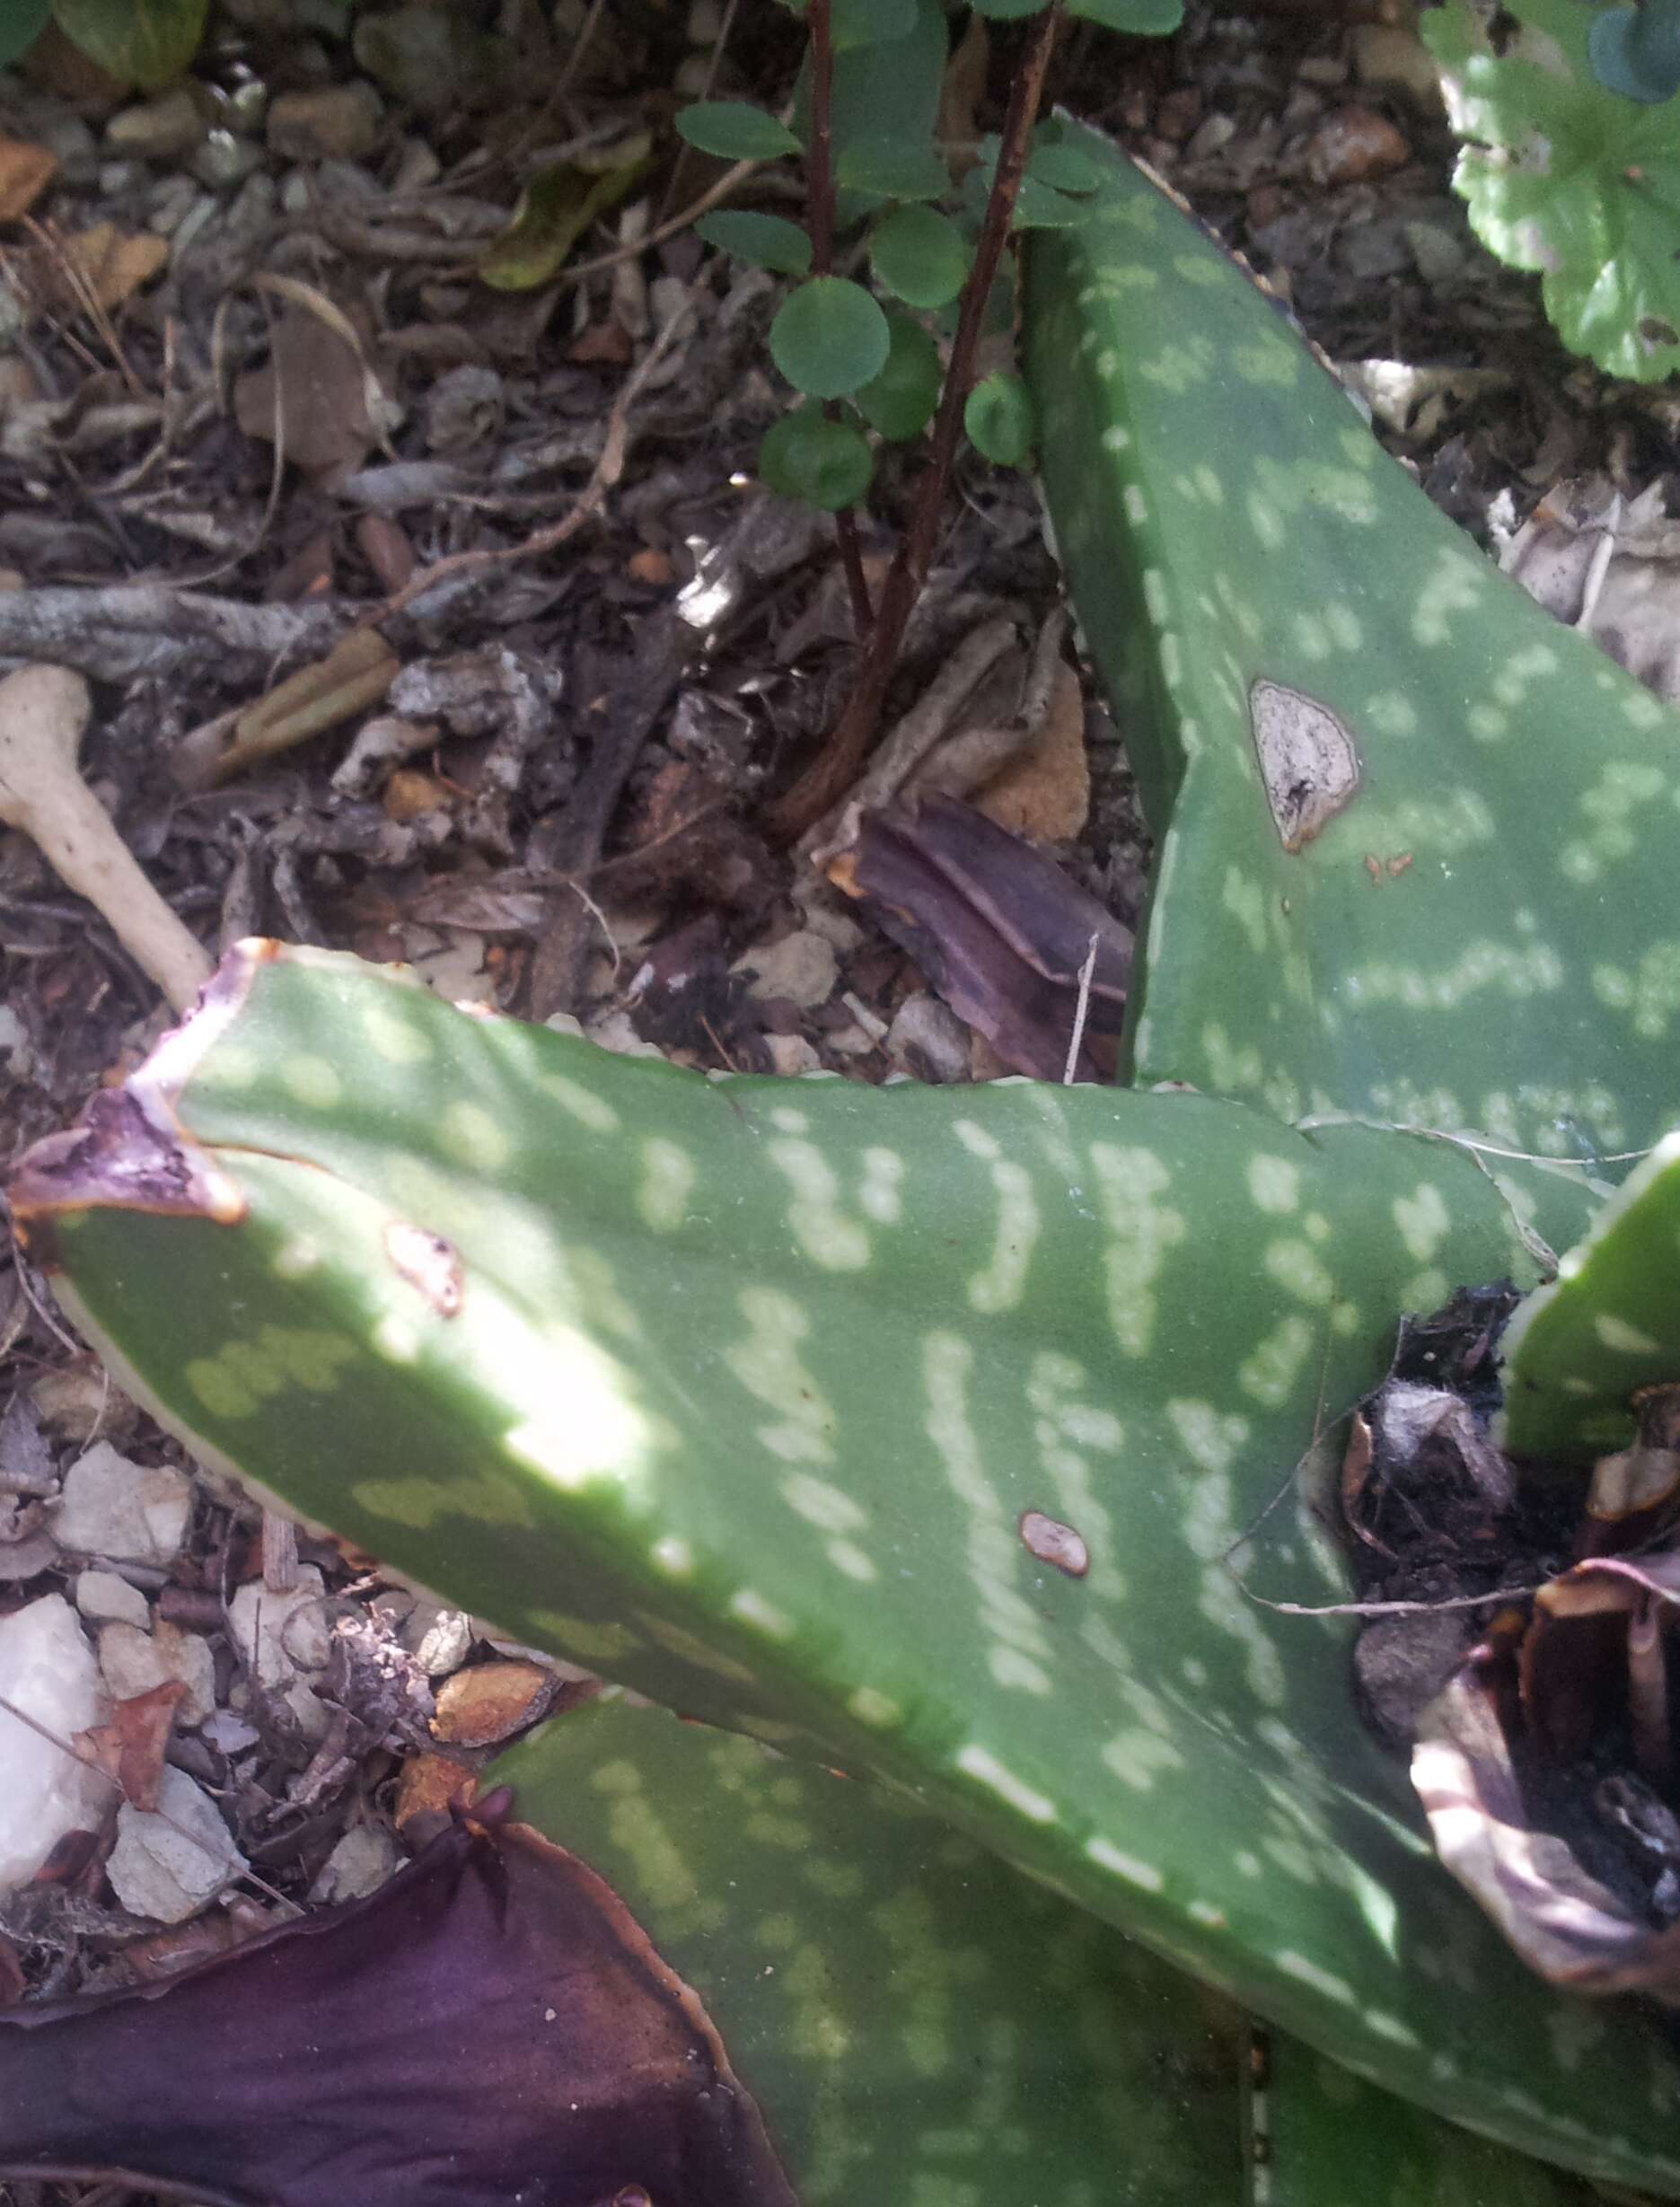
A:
430,1264
1309,763
1063,1546
491,2029
128,1151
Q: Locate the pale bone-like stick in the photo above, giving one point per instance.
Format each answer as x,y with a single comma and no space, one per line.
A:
43,711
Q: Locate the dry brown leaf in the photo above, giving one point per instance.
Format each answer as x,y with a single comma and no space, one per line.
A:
25,172
1044,793
312,395
114,263
131,1747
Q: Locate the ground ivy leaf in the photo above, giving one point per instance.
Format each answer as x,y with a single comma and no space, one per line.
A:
766,240
816,462
900,402
829,337
921,255
733,131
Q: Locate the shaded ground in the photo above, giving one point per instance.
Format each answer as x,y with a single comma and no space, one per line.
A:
276,391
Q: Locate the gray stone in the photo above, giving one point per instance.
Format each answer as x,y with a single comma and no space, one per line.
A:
929,1040
103,1599
113,1506
166,128
171,1863
133,1661
802,968
340,122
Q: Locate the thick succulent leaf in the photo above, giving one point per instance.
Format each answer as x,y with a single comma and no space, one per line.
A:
1577,1350
1320,2136
1563,175
1414,840
918,2022
491,2029
915,2019
802,1406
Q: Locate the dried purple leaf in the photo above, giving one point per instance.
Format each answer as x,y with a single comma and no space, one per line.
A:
491,2029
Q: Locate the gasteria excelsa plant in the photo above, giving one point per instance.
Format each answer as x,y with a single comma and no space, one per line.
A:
958,1441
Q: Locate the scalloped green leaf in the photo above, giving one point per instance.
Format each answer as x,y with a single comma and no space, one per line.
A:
819,462
870,23
1578,1350
919,255
900,402
1564,176
726,1387
891,170
1135,19
998,414
1413,852
734,131
766,240
829,337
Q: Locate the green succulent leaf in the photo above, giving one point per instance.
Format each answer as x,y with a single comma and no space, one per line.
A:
998,414
920,256
144,42
908,2012
725,1386
883,94
891,171
1564,175
1579,1349
22,22
1062,167
900,402
1395,876
829,337
766,240
870,23
819,462
733,131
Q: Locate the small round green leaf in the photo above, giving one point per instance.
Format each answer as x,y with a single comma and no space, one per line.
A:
767,240
900,401
1038,207
816,462
999,418
146,42
21,22
1636,51
734,131
1064,168
1138,19
891,170
870,23
829,337
921,255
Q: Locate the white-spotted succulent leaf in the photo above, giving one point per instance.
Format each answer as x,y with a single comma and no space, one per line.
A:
1412,836
1564,176
919,2022
1578,1350
916,2021
918,1432
1318,2137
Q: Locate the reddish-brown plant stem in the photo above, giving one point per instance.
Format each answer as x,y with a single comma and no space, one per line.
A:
832,772
819,194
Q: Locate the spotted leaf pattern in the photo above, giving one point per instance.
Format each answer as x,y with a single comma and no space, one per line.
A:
1412,835
799,1406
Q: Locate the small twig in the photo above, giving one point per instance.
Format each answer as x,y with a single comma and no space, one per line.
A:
720,47
1391,1609
836,766
584,508
1080,1010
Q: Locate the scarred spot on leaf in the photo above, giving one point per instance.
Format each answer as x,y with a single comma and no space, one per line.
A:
430,1264
1308,760
1052,1541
